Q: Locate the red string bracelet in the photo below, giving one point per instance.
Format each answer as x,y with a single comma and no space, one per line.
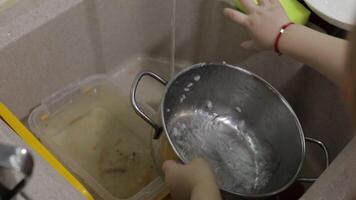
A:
278,38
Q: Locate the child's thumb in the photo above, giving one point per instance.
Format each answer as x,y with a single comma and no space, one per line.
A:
169,165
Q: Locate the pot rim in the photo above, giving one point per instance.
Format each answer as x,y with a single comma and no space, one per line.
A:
275,91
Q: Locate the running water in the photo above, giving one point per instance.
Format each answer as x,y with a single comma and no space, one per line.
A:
173,42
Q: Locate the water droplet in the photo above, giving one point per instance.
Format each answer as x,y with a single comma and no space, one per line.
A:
238,109
182,98
209,104
23,151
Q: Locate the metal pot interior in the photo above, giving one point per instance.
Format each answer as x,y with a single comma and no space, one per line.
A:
236,121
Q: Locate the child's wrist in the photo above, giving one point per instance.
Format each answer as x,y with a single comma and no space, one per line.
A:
280,35
287,42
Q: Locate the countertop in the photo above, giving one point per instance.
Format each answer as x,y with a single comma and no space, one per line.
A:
45,183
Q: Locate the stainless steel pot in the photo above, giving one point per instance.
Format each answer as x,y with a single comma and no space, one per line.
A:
235,120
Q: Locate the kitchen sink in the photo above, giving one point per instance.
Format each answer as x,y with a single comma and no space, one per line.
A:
86,37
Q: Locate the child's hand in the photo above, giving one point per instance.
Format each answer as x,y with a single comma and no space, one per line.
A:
263,21
191,181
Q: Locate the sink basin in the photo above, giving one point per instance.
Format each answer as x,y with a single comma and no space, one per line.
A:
80,38
315,100
210,37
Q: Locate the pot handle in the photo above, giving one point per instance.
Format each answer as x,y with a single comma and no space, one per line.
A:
137,109
327,162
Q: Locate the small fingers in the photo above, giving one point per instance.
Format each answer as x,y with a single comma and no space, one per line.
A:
236,16
249,5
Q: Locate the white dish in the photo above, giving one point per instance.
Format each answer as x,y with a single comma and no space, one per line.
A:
341,13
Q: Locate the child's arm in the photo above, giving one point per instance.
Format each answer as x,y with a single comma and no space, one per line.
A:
324,53
193,181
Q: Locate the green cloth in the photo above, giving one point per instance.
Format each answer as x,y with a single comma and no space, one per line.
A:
296,12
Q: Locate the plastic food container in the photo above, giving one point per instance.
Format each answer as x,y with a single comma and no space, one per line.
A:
91,128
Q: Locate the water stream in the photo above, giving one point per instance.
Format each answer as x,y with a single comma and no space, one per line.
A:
173,41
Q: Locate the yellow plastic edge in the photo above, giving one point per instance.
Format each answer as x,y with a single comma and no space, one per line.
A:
296,12
37,146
